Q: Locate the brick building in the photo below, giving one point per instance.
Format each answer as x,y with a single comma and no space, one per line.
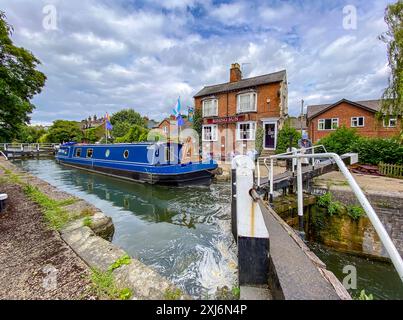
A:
233,111
169,127
324,119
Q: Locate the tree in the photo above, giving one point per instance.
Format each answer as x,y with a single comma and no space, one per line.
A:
130,116
30,134
283,138
197,122
135,134
64,131
392,102
120,129
19,82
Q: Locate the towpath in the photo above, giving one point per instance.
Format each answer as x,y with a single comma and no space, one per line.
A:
35,262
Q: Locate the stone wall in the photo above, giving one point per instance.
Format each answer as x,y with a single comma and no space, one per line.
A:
388,207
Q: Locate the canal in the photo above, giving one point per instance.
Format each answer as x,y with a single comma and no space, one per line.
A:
184,233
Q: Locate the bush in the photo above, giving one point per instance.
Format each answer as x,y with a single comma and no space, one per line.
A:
259,139
283,138
340,141
376,150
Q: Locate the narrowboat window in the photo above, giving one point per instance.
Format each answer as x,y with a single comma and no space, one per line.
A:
89,153
167,154
107,153
126,154
78,152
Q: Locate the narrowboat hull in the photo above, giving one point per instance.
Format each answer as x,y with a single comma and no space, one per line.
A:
180,179
138,162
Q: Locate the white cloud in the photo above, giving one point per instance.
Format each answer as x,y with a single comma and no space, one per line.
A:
107,55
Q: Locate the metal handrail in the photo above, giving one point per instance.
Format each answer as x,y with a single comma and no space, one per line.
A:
2,153
280,154
379,228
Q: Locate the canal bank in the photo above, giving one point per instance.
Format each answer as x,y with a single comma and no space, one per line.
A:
67,223
182,233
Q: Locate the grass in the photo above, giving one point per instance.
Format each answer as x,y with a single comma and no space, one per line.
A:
103,283
123,260
174,294
87,222
104,286
355,212
56,216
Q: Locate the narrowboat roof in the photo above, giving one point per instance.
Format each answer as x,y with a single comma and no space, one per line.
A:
114,144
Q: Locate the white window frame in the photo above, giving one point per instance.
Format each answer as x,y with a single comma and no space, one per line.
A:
252,134
214,132
252,95
333,121
353,119
212,114
390,126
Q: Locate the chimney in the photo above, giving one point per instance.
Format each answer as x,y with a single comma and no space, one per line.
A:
235,73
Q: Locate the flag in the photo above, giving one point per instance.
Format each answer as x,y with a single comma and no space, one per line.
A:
177,113
108,125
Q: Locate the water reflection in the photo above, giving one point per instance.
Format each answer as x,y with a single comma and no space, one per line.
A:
184,233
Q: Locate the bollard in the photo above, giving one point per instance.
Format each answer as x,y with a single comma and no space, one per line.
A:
253,237
233,204
3,198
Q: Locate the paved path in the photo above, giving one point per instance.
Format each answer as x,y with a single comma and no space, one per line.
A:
367,182
32,256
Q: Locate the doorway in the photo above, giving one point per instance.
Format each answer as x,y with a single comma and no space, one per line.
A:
270,135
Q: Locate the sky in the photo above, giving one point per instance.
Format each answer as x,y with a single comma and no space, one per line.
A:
104,55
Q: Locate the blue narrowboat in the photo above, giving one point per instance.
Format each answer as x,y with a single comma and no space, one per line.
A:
154,163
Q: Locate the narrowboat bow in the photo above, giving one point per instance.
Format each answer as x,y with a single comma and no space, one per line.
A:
155,163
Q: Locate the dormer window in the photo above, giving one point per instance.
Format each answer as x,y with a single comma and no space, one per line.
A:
247,102
210,108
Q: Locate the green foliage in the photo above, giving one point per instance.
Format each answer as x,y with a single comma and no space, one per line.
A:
93,135
376,150
198,122
259,139
120,129
324,200
340,140
135,134
87,222
236,292
355,212
56,216
30,134
174,294
104,286
364,296
125,259
64,130
392,102
283,138
332,207
19,82
130,116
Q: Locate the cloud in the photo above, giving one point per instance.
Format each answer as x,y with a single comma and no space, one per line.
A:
106,55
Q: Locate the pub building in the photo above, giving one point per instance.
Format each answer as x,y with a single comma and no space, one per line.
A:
233,111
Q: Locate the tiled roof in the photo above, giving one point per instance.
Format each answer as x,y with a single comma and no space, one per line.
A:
242,84
372,105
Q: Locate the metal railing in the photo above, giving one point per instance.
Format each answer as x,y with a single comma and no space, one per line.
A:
294,151
1,153
379,228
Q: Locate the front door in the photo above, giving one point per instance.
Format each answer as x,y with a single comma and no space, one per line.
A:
269,135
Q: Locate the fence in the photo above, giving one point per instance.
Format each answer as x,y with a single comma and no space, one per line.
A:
391,170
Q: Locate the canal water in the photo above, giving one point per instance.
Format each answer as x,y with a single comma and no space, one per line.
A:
184,233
